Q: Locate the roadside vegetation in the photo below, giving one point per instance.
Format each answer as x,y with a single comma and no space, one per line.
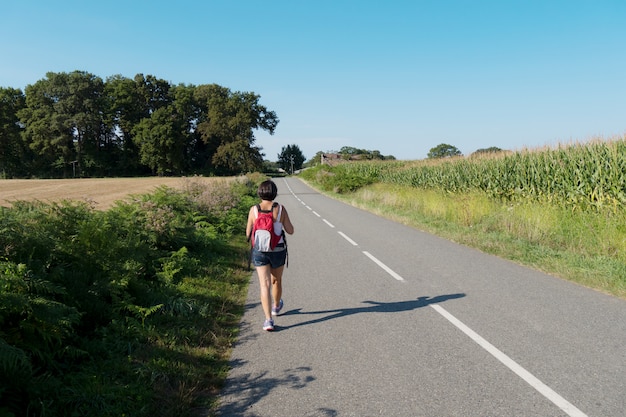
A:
562,211
130,311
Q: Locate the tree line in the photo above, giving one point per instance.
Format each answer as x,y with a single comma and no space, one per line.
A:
77,124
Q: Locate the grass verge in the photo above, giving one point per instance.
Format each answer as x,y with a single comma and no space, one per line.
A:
585,247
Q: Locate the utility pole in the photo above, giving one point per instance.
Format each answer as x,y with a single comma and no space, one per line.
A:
291,157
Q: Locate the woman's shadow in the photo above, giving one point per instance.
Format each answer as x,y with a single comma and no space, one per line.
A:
373,307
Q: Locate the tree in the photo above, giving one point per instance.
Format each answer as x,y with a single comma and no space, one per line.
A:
12,149
153,91
160,142
232,117
188,112
64,119
486,151
44,130
347,152
127,107
291,158
237,157
443,151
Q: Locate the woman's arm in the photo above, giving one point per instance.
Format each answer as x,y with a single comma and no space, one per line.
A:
250,222
287,226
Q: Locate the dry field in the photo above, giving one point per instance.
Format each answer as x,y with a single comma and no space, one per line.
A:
102,192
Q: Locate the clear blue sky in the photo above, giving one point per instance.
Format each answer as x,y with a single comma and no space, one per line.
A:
396,76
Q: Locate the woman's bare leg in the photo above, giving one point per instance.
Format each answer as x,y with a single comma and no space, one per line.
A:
277,284
265,278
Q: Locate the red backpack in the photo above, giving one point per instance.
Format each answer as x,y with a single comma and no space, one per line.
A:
264,238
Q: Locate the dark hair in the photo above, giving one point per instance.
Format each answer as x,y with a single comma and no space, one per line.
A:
267,190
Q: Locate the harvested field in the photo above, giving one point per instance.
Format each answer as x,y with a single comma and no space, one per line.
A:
101,192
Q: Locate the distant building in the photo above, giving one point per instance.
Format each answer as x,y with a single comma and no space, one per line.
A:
329,157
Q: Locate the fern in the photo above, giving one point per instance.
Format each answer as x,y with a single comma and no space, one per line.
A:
144,312
15,367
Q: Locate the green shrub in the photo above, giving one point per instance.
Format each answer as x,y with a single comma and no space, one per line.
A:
340,179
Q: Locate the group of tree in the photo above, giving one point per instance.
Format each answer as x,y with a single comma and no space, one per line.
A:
443,150
349,153
77,124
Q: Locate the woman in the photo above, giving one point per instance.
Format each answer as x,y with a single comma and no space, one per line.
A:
270,265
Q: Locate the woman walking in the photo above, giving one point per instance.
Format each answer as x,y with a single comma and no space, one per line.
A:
269,261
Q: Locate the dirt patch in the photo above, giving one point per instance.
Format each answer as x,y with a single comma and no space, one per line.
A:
102,192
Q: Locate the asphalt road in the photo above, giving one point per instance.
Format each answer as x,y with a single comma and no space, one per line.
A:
384,320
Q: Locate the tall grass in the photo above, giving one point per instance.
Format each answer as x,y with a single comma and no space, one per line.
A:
577,176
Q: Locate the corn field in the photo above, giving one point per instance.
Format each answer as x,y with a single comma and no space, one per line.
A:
582,176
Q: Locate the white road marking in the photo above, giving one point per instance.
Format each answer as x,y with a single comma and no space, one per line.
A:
383,266
328,223
343,235
316,213
546,391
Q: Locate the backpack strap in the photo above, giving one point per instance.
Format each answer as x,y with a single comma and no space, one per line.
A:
280,211
283,234
258,208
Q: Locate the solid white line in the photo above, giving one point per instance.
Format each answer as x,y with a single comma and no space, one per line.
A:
328,223
546,391
383,266
343,235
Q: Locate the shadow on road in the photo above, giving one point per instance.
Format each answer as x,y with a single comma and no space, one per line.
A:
248,389
372,307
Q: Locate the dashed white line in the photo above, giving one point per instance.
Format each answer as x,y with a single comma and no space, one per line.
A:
343,235
328,223
383,266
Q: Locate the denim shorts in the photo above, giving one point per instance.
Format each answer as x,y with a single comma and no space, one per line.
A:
275,259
